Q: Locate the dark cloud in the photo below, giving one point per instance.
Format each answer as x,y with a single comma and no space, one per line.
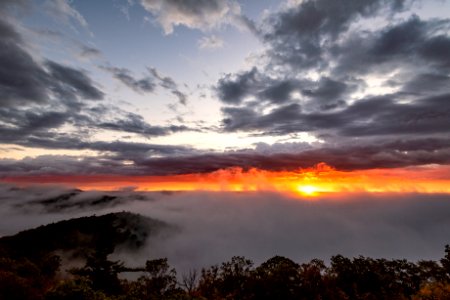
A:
132,150
424,116
436,50
182,98
379,154
151,159
279,92
24,122
38,129
324,93
38,100
165,81
316,17
373,116
73,83
327,91
110,159
9,34
22,80
394,153
427,83
168,83
246,119
232,89
318,36
89,52
134,123
299,36
114,118
394,46
143,85
400,39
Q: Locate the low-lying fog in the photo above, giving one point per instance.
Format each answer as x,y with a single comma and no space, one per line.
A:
214,226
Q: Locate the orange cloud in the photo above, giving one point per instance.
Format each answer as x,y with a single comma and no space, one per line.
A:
306,182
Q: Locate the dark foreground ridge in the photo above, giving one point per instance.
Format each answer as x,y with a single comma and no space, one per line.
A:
31,267
83,236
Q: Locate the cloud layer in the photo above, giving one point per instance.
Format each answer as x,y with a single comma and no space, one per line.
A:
318,36
46,104
346,101
151,159
216,226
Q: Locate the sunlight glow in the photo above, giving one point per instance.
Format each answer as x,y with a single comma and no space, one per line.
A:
308,182
308,190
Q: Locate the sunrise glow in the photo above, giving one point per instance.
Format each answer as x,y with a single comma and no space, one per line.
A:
310,182
308,190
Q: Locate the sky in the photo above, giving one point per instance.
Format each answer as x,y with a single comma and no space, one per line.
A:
307,96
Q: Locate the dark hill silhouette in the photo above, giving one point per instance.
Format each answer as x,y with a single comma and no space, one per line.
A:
71,201
84,235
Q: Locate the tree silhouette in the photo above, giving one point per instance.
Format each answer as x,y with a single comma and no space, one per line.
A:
159,282
277,278
101,272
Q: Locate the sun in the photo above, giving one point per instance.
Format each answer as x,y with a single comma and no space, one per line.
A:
308,190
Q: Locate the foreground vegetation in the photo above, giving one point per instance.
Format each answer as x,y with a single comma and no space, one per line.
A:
38,273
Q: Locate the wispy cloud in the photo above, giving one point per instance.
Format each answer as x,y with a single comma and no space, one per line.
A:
210,42
203,15
65,12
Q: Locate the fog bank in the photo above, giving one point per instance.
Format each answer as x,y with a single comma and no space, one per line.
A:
215,226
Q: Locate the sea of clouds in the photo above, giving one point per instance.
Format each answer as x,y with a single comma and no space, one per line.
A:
214,226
